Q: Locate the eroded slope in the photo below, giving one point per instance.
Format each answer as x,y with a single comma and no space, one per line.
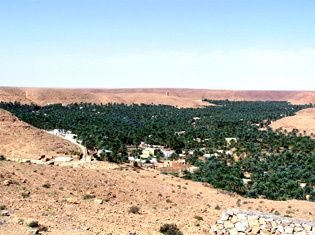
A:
21,140
303,121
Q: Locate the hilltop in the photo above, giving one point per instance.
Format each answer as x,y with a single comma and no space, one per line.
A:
176,97
23,141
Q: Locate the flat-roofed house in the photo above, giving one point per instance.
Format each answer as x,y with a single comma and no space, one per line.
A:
147,152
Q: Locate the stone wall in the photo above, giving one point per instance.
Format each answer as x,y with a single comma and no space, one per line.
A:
238,222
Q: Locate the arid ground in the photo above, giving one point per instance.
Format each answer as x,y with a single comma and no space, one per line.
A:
303,121
21,140
96,199
175,97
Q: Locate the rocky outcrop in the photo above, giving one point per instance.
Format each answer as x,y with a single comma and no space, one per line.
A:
238,222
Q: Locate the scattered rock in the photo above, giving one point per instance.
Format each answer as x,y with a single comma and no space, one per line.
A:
133,233
73,200
34,231
5,213
98,201
25,194
240,227
7,182
244,222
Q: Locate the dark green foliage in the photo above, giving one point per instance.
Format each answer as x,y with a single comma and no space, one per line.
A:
216,172
33,224
2,158
278,162
170,229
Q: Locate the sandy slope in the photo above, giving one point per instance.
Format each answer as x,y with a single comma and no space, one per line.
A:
21,140
161,199
175,97
304,121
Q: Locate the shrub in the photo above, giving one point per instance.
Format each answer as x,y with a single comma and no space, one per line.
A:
25,194
238,202
134,210
197,217
46,185
2,158
3,207
174,174
88,196
277,213
217,207
33,224
170,229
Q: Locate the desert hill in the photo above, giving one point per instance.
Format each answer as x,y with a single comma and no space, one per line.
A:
96,199
304,121
175,97
21,140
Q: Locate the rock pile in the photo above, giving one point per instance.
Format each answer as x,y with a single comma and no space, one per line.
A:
237,222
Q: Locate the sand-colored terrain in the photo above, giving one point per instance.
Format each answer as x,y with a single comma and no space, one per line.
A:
160,198
95,198
23,141
175,97
303,121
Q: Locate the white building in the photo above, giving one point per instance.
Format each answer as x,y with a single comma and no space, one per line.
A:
167,153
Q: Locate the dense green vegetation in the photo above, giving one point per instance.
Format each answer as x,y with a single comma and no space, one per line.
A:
275,162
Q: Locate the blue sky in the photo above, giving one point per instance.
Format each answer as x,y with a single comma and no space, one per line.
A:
215,44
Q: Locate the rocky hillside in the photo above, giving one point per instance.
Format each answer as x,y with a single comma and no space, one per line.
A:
103,198
23,141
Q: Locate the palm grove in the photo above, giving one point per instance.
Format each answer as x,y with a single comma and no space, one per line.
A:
275,163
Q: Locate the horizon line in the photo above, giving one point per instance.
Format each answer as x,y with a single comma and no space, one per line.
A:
150,88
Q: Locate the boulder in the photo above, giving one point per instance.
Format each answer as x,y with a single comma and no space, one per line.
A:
5,213
240,227
73,200
98,201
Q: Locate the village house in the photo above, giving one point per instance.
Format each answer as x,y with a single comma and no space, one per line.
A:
167,153
180,132
148,152
63,133
192,169
230,140
208,155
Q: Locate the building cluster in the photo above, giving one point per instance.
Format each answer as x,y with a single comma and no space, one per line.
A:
159,157
68,135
